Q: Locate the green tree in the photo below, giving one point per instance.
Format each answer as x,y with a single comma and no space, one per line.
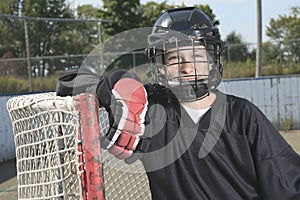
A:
45,35
235,48
88,12
84,36
125,15
286,29
11,29
151,11
270,53
12,43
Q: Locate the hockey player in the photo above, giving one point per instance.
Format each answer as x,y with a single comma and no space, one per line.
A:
195,141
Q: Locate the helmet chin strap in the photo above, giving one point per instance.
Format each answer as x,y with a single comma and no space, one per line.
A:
188,93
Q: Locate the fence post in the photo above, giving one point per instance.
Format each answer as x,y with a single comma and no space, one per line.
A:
258,70
28,54
101,45
229,62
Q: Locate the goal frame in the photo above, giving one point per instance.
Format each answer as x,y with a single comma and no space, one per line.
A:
84,111
94,172
92,180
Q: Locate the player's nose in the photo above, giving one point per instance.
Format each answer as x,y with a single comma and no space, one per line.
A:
186,66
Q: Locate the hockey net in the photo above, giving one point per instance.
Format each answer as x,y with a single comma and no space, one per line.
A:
58,151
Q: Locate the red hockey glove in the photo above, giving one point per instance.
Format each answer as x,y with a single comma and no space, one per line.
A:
126,101
129,107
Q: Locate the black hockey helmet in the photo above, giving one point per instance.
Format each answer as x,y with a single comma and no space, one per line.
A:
182,29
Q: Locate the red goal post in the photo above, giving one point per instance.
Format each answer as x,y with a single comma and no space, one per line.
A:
58,151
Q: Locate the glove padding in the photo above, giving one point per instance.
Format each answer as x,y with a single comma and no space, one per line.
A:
127,110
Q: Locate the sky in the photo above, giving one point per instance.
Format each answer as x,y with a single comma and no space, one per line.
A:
234,15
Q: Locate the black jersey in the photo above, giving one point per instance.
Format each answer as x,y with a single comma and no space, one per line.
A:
234,152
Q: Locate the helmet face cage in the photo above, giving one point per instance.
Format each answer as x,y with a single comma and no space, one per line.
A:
168,61
197,49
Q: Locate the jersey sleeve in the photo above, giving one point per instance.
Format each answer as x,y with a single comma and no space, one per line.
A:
277,164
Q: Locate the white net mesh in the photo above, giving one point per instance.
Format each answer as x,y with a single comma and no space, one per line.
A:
124,181
46,131
46,146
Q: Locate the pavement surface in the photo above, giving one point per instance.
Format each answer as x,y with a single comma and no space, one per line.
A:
8,180
8,175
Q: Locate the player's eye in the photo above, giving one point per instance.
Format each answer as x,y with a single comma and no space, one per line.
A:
197,55
172,58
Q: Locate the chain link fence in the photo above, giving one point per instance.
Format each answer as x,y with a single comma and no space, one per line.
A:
39,47
278,58
35,48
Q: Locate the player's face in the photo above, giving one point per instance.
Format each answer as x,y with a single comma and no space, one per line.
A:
188,63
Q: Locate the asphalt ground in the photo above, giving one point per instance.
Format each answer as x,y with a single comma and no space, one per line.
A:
8,172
